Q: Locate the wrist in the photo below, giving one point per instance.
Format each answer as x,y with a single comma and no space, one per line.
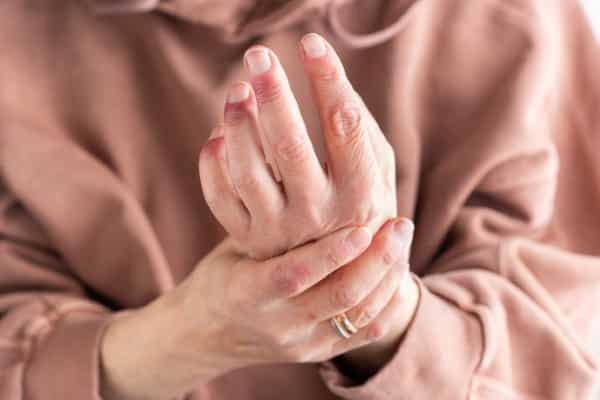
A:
148,337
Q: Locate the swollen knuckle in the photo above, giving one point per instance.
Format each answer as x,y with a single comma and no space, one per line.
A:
344,297
247,182
288,279
388,257
364,213
268,90
293,149
347,124
328,74
376,330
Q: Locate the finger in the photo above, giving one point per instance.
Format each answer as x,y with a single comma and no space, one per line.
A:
371,306
347,287
344,119
291,151
249,172
376,330
219,193
292,273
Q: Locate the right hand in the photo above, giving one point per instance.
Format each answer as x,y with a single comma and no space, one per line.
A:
233,312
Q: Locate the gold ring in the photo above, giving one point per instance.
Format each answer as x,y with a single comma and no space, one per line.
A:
343,326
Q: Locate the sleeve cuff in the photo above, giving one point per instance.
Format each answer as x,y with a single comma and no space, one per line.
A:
64,360
436,359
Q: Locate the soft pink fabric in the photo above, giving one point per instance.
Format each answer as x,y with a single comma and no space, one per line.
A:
492,106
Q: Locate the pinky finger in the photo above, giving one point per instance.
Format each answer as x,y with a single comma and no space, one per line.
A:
376,330
217,186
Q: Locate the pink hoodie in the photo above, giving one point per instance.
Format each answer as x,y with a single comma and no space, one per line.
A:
493,107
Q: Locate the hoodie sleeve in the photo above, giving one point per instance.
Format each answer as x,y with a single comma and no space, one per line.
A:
49,331
504,307
58,262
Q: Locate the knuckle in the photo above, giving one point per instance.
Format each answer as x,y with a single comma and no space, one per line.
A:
376,330
289,279
247,182
328,73
362,213
293,149
345,297
268,89
389,257
347,124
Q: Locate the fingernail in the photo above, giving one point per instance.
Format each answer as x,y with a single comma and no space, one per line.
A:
314,46
359,238
238,93
258,61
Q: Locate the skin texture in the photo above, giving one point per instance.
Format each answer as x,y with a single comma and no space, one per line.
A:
240,308
273,206
264,183
233,312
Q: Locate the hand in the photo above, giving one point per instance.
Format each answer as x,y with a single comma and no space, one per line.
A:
233,312
265,217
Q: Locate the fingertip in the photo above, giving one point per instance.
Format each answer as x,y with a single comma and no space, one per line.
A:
258,60
313,46
238,92
213,147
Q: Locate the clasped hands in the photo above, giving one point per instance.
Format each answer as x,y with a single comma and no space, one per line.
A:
305,244
263,181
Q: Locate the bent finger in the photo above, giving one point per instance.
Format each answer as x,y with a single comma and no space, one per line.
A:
217,187
249,171
348,287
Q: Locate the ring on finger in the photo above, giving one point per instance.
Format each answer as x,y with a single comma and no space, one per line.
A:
343,326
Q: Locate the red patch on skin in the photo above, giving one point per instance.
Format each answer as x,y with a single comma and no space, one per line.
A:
267,87
212,147
292,278
236,112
